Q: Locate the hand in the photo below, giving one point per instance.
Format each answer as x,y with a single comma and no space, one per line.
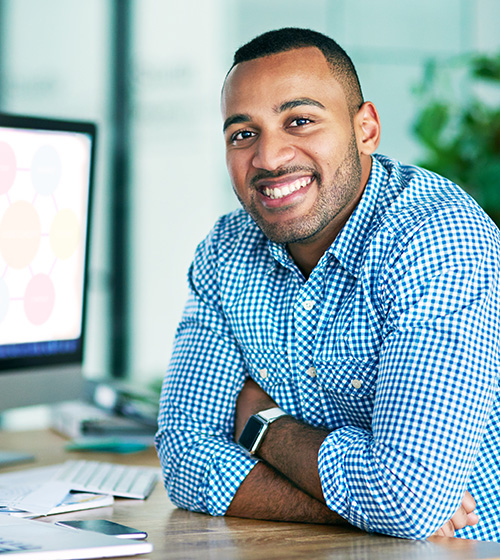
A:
252,399
463,517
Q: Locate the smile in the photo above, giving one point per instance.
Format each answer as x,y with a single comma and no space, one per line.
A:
281,191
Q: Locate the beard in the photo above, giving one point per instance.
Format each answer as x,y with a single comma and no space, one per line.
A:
332,198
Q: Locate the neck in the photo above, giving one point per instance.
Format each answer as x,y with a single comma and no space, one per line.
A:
308,253
305,261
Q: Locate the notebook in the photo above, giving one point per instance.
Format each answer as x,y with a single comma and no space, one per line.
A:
35,540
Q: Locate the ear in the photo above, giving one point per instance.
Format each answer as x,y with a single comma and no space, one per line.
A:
367,128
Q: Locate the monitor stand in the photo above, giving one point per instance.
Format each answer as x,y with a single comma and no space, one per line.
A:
8,458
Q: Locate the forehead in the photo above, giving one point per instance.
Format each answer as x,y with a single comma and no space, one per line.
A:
271,80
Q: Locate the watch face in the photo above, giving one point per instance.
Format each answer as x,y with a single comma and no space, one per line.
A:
250,433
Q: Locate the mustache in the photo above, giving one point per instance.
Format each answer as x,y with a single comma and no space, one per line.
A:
262,175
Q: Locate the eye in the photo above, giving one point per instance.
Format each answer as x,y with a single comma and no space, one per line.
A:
300,121
241,135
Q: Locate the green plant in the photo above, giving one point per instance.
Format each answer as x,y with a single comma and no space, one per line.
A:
459,125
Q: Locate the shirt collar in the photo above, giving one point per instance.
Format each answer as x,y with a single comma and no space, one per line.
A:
350,244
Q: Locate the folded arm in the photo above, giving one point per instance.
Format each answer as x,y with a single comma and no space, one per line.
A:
286,486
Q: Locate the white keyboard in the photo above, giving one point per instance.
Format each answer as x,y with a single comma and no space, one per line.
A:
108,478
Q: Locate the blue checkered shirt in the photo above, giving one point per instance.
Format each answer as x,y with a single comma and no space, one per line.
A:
392,343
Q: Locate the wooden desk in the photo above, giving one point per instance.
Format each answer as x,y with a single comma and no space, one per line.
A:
182,535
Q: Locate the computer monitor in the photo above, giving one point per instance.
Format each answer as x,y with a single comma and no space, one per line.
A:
46,174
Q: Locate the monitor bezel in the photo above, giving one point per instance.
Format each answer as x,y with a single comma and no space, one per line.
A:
42,361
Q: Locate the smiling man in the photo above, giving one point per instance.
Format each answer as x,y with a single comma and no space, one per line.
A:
339,352
293,155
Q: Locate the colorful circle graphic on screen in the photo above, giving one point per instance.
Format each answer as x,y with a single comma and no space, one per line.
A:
20,234
39,299
64,234
46,170
44,188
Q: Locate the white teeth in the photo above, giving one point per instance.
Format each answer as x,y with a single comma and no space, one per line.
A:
280,192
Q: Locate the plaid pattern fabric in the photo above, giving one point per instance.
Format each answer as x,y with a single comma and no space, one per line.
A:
392,344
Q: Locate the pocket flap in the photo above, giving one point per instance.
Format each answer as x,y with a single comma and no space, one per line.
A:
267,366
348,375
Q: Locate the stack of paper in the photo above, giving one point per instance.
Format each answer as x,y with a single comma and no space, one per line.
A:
32,493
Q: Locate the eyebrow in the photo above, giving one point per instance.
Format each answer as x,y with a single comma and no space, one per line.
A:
286,106
235,119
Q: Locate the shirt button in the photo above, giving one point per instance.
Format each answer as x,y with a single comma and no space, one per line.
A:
308,304
263,373
356,383
311,371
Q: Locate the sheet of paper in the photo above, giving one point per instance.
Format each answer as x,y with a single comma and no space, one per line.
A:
44,498
32,490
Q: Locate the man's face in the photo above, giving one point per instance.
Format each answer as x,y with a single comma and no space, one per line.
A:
291,148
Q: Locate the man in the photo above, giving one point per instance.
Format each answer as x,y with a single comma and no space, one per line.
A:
353,303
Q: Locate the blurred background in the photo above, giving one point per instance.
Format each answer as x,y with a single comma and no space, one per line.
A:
149,73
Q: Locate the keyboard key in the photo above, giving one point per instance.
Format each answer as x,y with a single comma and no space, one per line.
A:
109,478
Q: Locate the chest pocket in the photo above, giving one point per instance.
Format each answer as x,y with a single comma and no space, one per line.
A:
348,358
345,376
268,367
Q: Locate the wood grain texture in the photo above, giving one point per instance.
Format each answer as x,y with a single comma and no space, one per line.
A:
182,535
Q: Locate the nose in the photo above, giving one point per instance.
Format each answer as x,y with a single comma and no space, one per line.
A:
272,151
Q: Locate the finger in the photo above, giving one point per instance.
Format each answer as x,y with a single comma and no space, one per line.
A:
472,519
468,502
447,530
459,518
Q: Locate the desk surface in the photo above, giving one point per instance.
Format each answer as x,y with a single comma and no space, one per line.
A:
182,535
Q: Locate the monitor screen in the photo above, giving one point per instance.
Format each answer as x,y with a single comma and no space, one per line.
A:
46,169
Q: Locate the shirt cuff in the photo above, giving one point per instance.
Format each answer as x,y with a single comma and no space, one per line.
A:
229,468
335,470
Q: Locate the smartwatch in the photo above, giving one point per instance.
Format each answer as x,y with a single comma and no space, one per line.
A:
253,433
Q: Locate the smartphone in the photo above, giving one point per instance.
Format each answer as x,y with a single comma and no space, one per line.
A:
106,527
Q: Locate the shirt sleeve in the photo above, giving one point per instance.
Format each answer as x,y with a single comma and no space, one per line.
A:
202,465
437,377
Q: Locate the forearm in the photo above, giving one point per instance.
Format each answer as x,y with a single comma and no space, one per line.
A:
291,447
287,485
266,494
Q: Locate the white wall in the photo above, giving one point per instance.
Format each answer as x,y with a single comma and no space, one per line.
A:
178,182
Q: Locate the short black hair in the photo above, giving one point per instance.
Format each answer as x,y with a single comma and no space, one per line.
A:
290,38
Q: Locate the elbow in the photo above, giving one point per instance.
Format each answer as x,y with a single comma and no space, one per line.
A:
415,519
418,524
169,467
182,481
